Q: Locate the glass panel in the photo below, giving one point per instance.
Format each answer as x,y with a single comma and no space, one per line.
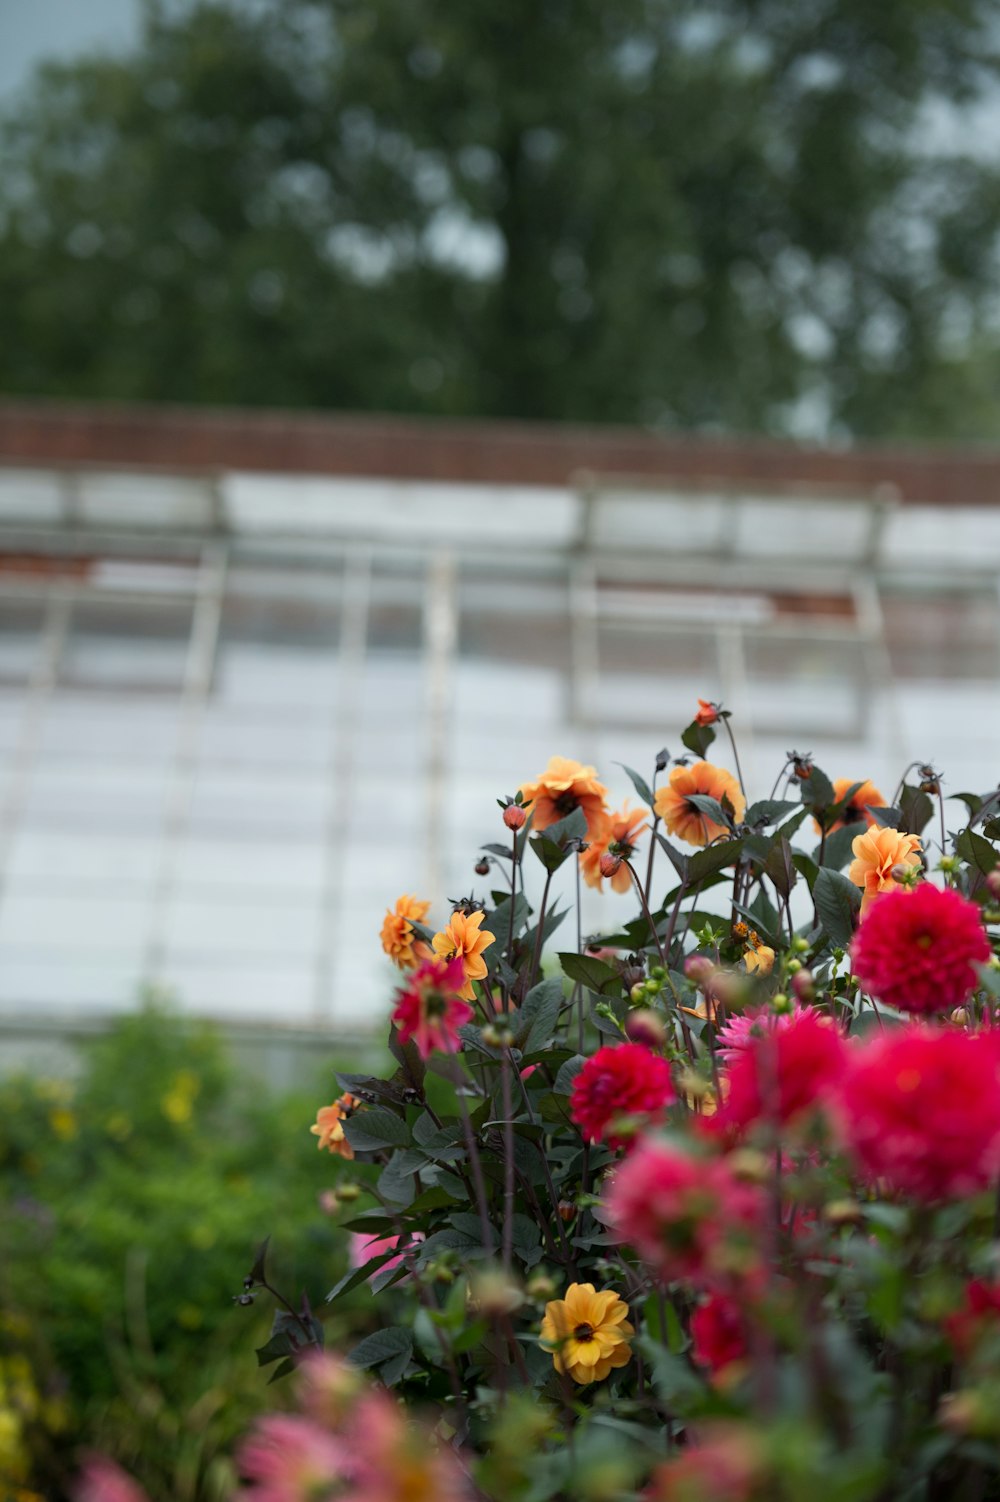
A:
21,625
276,650
943,634
114,646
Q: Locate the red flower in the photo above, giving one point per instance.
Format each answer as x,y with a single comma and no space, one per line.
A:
429,1010
687,1217
708,713
979,1316
782,1074
718,1333
623,1079
918,950
921,1109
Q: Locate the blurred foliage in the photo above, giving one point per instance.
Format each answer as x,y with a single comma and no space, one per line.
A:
133,1203
733,214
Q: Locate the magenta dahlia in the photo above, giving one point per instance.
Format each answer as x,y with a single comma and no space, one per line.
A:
917,950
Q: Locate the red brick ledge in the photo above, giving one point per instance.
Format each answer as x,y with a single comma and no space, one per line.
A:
500,453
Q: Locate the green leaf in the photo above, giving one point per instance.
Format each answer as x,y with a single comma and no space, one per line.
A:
712,858
539,1014
388,1344
412,1068
551,855
568,1073
977,853
817,789
918,810
369,1131
698,738
886,818
640,784
590,972
837,901
357,1275
837,846
806,867
768,811
677,858
779,867
396,1181
710,807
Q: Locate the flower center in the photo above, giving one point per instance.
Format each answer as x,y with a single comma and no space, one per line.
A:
566,803
583,1332
435,1004
924,941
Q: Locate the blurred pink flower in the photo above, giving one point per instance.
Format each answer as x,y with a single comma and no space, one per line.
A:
101,1480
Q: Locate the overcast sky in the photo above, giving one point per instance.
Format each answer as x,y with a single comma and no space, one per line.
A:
31,30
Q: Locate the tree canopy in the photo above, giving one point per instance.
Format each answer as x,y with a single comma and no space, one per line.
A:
697,214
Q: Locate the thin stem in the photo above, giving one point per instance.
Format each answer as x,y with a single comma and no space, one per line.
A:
781,774
736,755
536,957
656,938
578,988
513,897
508,1159
476,1166
944,836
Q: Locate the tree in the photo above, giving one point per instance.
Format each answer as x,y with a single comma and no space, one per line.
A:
677,212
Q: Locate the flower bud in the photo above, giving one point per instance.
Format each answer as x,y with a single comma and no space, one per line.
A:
329,1202
967,1412
637,995
494,1292
804,986
610,864
799,944
540,1286
482,867
514,816
567,1210
793,967
947,863
843,1212
644,1026
960,1017
781,1003
652,987
348,1193
749,1164
699,969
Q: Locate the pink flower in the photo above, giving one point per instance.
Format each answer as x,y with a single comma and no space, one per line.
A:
723,1465
623,1079
291,1459
718,1333
687,1217
103,1481
920,1108
741,1030
362,1249
978,1317
918,950
783,1075
429,1009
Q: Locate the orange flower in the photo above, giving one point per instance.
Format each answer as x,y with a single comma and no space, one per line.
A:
397,931
562,787
685,820
876,853
462,937
759,957
329,1126
622,828
867,794
708,713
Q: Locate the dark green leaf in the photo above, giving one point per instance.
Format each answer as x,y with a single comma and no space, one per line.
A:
412,1068
677,858
977,853
396,1181
539,1013
711,808
705,863
837,902
387,1344
806,867
640,784
779,867
888,817
837,846
357,1275
918,810
768,811
568,1073
368,1131
817,789
698,738
258,1272
590,972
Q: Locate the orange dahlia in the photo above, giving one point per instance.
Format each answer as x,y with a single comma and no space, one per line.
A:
564,786
465,937
622,828
329,1126
398,937
684,819
877,853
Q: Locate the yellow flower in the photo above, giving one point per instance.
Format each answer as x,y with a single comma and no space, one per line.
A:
462,937
622,828
329,1127
876,853
398,939
565,785
760,958
587,1332
684,819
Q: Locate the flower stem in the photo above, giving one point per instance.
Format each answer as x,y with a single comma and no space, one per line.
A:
508,1159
